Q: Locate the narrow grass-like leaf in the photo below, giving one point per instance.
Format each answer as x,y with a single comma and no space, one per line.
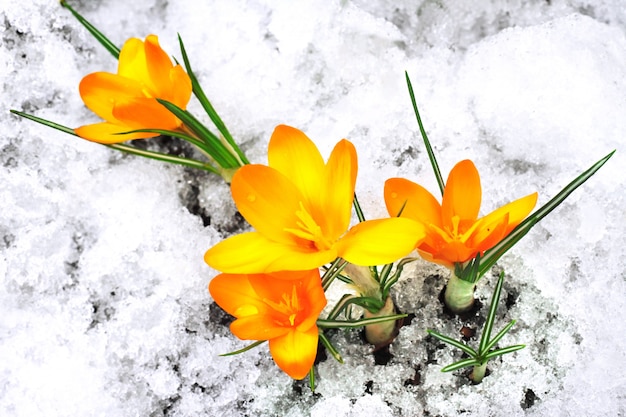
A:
491,316
330,347
460,364
126,148
206,104
194,141
388,283
499,336
336,324
312,379
104,41
215,147
45,122
357,209
471,352
333,272
429,149
493,254
503,351
247,348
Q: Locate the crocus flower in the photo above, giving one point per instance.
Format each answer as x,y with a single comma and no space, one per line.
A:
301,210
270,307
127,100
454,233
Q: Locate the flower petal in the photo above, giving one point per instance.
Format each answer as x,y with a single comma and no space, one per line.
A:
268,201
295,352
294,155
235,294
101,90
518,210
253,253
132,63
335,209
413,200
181,87
381,241
462,194
144,113
105,132
158,66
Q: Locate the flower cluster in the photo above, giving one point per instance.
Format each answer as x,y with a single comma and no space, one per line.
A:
300,209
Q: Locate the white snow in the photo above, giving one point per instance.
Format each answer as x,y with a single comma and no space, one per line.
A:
104,309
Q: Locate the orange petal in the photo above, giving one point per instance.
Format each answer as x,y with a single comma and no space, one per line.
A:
294,155
454,251
268,201
295,352
144,113
158,66
101,90
518,210
335,209
106,133
180,87
258,327
462,194
235,294
253,253
381,241
413,200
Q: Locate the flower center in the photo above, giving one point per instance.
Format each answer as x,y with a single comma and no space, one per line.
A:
309,230
288,306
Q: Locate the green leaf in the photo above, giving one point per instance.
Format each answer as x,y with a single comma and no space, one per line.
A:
104,41
471,352
215,148
247,348
173,133
503,351
126,148
206,104
429,149
357,209
460,364
496,339
491,316
336,324
333,272
492,255
330,347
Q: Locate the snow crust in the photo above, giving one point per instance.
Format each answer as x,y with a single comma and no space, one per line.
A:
103,303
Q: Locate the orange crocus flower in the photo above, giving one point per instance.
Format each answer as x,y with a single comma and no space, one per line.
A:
301,210
127,100
454,233
283,311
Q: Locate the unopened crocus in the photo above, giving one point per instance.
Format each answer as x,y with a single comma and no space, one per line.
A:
127,100
454,232
301,210
282,308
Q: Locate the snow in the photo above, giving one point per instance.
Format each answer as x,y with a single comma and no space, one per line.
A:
104,309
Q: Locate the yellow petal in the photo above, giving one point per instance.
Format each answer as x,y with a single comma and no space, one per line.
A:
336,199
268,201
132,63
294,155
413,200
106,133
295,352
462,194
253,253
101,90
518,210
381,241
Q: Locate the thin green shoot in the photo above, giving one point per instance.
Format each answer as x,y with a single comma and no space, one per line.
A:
429,149
478,359
100,37
245,349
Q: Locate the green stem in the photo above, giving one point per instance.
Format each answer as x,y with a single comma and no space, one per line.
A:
459,296
478,373
381,334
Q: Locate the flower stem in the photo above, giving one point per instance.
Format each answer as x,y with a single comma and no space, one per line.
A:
478,373
381,334
459,296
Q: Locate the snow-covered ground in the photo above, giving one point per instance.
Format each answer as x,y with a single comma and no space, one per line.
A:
103,303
